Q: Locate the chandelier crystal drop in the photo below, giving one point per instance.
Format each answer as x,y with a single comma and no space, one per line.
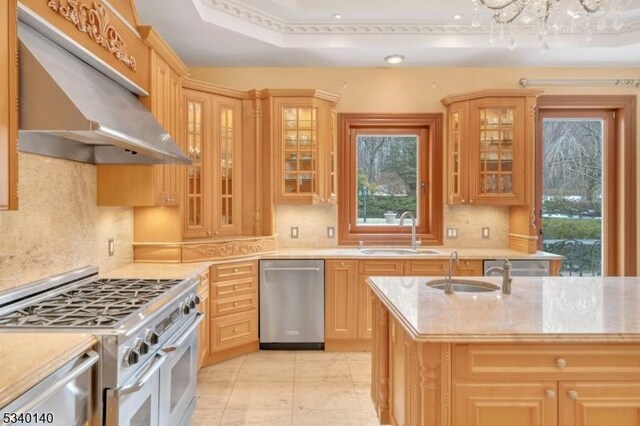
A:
513,19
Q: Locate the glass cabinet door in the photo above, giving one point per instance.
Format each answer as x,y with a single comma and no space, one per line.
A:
458,173
299,150
196,223
227,218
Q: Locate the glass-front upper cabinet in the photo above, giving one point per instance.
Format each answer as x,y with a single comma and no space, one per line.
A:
197,109
227,165
490,146
304,147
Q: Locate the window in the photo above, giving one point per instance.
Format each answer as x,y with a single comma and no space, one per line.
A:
390,164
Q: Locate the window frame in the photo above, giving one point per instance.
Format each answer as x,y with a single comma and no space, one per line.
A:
430,170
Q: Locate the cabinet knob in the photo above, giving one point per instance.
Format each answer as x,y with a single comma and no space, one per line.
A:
235,287
463,201
235,303
235,330
573,394
551,393
209,233
471,200
561,363
341,263
236,270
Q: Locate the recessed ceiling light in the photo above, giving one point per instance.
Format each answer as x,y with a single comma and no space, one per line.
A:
394,59
337,16
457,16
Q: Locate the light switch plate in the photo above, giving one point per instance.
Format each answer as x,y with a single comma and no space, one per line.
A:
331,232
485,233
294,232
452,233
112,247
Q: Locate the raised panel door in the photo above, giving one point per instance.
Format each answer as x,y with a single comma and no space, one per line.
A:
341,300
599,403
504,404
365,309
227,166
468,268
458,180
197,136
497,149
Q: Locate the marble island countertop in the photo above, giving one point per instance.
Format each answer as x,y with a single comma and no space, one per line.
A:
546,309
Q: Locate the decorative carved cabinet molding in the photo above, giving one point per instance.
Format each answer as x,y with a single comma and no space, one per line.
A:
213,135
490,146
301,136
8,105
146,185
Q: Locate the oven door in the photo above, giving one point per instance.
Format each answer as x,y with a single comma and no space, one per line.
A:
137,402
178,376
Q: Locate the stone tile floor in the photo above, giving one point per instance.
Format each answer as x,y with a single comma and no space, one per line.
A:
287,388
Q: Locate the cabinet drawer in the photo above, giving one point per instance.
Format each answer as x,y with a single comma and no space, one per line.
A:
231,271
425,268
390,268
226,289
234,304
233,330
498,362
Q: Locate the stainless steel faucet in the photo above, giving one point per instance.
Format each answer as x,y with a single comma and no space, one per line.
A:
505,271
414,242
448,286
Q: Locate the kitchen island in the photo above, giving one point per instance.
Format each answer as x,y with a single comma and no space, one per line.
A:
557,351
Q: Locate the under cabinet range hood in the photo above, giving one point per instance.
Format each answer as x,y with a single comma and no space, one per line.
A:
70,110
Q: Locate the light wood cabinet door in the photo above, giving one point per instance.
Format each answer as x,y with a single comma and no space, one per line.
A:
458,182
226,166
504,404
496,151
8,105
469,268
368,268
341,299
197,134
599,403
203,330
233,330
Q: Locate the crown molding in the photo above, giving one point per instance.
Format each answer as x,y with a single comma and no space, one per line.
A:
279,25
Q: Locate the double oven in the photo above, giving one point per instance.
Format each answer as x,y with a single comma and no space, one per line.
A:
163,391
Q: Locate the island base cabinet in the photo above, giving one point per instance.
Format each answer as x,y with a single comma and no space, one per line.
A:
599,403
504,404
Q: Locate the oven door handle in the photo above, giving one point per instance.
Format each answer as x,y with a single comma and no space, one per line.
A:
185,335
91,358
160,358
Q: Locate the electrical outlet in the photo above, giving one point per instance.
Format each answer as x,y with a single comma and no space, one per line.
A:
294,232
112,247
452,233
485,233
331,232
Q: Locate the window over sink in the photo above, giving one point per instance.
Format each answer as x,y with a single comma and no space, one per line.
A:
390,164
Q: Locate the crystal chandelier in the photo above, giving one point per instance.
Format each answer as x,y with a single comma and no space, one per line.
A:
543,18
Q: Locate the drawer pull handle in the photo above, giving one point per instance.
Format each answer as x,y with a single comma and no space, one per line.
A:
573,394
236,270
551,393
561,362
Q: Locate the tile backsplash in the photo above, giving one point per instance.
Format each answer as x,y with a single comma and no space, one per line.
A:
58,226
312,223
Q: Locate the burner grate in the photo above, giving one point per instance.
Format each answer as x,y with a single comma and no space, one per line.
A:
100,303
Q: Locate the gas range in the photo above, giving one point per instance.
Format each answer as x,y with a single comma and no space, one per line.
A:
139,324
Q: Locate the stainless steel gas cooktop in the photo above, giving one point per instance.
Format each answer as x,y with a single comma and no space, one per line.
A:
99,303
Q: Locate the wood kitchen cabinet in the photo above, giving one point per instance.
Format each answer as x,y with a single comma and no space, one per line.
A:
8,105
599,403
204,329
303,140
234,310
341,299
151,185
490,147
213,135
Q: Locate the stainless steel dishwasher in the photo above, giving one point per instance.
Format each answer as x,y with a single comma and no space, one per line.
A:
292,304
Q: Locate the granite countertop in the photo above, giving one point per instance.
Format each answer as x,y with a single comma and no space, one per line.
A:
158,270
28,358
444,253
545,309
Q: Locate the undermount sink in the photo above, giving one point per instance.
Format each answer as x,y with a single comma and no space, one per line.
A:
398,251
464,286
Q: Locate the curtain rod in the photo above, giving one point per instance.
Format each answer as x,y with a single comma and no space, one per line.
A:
621,82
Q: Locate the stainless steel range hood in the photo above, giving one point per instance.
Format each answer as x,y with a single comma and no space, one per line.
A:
70,110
